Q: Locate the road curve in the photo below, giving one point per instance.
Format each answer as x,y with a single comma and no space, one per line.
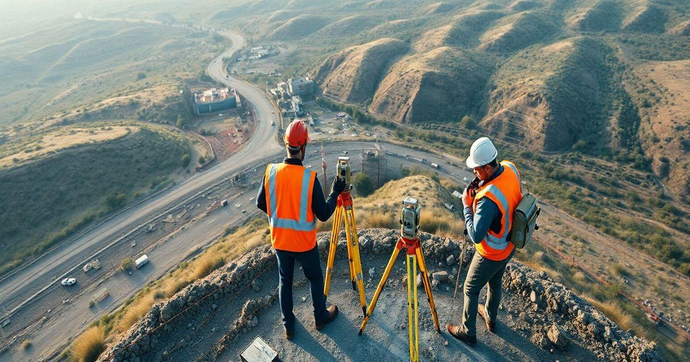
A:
49,268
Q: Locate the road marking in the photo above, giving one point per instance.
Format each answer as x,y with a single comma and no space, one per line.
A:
210,222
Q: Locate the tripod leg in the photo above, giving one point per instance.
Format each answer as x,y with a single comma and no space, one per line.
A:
357,262
412,310
348,241
335,232
382,283
427,285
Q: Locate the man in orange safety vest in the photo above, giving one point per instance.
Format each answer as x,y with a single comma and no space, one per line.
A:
488,217
291,196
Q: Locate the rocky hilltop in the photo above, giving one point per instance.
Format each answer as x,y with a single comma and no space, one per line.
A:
217,317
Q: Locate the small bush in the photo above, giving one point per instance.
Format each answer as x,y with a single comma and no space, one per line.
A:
26,344
363,185
185,159
141,75
89,345
127,264
620,270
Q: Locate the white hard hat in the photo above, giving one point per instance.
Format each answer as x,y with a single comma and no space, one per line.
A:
482,152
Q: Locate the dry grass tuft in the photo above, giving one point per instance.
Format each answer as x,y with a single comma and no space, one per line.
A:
441,222
173,285
135,312
205,264
377,220
89,345
614,312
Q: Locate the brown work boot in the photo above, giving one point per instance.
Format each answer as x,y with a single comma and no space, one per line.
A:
332,313
491,326
458,333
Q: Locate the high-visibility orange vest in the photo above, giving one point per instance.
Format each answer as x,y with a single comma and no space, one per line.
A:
506,192
288,201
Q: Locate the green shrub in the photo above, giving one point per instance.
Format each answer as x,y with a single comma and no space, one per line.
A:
363,185
127,264
185,159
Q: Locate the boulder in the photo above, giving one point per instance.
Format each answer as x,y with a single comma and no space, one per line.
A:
557,337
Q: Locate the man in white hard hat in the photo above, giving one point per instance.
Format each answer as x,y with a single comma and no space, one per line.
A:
489,203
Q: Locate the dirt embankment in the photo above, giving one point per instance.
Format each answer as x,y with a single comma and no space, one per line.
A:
217,317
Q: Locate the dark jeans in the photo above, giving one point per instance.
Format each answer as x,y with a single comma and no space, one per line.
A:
311,264
482,271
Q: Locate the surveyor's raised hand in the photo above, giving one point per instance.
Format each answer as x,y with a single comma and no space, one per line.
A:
467,197
338,185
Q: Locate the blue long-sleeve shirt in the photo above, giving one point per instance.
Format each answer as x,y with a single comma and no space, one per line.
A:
323,209
487,217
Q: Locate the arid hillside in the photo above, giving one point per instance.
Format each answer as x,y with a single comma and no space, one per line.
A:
352,74
553,76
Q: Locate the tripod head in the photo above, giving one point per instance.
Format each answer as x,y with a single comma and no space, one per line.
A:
343,170
409,218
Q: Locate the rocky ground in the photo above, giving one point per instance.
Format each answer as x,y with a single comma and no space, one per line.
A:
219,316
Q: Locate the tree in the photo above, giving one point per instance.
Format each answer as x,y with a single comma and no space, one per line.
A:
141,75
127,264
468,122
115,200
363,184
185,160
181,122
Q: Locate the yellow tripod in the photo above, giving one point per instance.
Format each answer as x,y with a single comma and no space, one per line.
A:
409,221
345,210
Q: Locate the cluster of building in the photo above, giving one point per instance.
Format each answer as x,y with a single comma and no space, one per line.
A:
289,95
261,52
214,100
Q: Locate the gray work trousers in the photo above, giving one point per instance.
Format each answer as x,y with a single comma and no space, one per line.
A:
482,271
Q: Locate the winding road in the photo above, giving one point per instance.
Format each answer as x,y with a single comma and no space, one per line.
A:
21,288
24,294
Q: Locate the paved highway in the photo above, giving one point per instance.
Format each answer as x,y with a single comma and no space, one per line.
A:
47,271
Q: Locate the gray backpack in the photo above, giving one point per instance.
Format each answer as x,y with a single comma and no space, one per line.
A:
524,221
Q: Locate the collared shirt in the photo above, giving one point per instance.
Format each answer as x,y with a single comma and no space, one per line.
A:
488,216
323,209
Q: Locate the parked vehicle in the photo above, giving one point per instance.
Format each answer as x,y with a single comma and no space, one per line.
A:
141,261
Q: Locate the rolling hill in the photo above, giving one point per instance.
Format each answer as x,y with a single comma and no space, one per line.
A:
352,74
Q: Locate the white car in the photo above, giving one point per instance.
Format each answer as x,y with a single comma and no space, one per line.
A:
68,282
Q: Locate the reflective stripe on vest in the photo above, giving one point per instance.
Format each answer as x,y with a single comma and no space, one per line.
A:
512,167
298,225
289,196
506,192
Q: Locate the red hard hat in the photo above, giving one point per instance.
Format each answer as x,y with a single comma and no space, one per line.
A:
296,134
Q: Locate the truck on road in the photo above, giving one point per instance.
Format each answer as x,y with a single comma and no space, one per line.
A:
141,261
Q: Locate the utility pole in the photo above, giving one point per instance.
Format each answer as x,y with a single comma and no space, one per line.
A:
323,167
